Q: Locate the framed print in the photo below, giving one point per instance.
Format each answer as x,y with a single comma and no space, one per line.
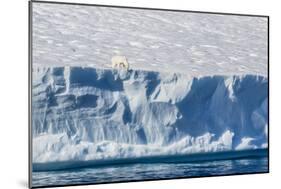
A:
122,94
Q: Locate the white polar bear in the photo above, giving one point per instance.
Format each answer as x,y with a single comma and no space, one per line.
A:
119,62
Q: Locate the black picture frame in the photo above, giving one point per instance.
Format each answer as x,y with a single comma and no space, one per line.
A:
30,62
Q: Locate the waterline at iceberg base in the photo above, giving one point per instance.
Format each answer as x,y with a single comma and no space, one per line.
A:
106,118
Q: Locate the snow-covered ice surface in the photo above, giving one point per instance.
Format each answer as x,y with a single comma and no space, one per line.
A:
198,83
192,43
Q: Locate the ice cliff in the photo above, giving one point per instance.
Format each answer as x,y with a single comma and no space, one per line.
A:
83,113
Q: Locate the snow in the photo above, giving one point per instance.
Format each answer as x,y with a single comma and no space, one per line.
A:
190,43
92,114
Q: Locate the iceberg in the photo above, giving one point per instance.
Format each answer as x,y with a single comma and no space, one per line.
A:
92,114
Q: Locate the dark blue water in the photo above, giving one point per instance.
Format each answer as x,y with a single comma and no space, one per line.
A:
147,171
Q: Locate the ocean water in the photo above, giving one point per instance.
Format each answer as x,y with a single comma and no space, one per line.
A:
148,171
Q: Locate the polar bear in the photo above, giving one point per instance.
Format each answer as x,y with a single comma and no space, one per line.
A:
119,62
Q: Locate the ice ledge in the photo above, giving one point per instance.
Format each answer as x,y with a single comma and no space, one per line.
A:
82,113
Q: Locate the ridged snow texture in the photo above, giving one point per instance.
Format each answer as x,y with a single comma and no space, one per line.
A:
86,113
